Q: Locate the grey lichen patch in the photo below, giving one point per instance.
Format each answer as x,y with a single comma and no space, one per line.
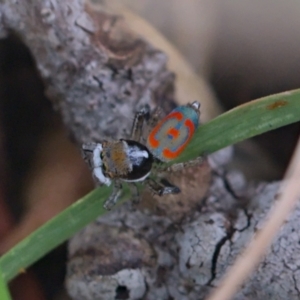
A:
114,249
125,284
277,275
108,263
47,14
197,246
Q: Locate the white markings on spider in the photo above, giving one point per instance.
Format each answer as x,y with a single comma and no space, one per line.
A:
97,166
137,180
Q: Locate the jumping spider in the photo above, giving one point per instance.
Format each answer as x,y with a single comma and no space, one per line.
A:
131,161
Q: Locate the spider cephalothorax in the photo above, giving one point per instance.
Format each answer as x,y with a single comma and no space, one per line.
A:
126,159
131,161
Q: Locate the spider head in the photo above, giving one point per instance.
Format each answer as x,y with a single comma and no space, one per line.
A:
122,159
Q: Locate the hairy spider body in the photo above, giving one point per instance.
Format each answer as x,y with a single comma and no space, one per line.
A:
131,161
126,159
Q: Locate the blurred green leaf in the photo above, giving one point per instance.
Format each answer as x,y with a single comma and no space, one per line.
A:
4,293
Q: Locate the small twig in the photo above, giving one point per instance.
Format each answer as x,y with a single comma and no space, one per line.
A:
248,260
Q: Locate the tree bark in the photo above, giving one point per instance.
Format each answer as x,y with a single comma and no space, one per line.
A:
96,71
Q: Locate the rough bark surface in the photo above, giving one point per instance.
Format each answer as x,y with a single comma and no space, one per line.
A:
96,73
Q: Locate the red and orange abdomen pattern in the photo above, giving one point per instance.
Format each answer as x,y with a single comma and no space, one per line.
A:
172,134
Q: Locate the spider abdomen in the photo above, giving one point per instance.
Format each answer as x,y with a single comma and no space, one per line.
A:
172,134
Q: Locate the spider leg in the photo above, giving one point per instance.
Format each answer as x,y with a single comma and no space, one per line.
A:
115,195
135,193
153,120
138,122
160,189
87,151
178,167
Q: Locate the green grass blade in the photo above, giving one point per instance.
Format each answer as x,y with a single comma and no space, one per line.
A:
4,293
233,126
243,122
53,233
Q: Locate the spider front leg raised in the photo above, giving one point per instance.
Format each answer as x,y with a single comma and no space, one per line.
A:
141,117
138,123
